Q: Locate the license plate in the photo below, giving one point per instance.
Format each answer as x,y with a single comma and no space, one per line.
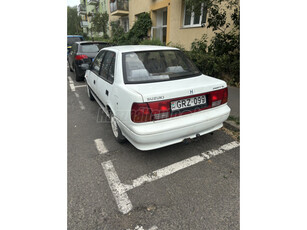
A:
188,102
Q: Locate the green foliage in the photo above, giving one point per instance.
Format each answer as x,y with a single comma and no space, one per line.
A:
118,33
139,31
176,45
73,22
220,58
100,23
151,42
135,35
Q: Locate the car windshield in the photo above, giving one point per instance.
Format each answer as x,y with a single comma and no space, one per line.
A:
72,40
89,48
154,66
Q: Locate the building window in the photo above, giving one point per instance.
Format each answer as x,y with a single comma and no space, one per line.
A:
125,23
193,18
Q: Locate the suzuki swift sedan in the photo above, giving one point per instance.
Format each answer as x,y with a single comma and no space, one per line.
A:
155,96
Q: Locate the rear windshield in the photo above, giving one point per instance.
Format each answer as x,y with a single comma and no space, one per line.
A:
155,66
72,40
89,48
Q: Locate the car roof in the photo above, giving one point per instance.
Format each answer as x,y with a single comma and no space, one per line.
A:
91,42
133,48
74,36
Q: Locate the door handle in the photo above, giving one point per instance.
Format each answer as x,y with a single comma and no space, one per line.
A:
94,81
107,92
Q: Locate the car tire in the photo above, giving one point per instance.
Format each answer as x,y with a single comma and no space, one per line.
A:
78,77
70,69
116,130
89,93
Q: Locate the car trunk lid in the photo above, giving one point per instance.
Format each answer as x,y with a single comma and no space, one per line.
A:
173,89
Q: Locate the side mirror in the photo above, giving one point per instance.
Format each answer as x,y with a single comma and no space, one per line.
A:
85,66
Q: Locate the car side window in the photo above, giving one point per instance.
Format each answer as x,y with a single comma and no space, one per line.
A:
95,67
74,48
111,70
107,67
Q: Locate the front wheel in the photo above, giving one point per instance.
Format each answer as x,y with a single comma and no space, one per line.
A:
116,130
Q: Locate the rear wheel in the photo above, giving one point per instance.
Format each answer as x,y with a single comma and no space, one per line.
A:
70,69
89,93
116,130
78,77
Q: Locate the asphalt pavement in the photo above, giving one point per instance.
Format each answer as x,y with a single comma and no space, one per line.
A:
200,195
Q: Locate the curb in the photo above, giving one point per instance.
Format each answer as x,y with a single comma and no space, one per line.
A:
232,125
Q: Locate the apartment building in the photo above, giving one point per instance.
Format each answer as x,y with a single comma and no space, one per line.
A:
86,9
172,22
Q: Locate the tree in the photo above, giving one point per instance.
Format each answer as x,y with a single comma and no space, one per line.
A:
73,21
221,58
100,23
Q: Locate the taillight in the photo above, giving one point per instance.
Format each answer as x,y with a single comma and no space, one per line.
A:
160,109
81,57
140,112
219,97
152,111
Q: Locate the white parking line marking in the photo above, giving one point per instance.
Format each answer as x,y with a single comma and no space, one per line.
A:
119,189
80,102
70,80
141,228
122,200
79,86
81,105
102,149
71,84
168,170
72,87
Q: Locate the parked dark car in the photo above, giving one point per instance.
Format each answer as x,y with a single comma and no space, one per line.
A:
71,39
83,53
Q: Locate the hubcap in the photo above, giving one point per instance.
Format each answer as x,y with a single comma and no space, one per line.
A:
114,126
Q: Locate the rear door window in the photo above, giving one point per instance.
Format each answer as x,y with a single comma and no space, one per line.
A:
107,67
95,67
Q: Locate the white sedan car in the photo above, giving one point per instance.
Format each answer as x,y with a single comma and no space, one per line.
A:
155,96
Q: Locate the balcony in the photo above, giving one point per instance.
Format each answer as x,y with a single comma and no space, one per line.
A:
119,7
82,9
93,2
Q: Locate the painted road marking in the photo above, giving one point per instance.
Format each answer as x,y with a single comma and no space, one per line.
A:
122,200
79,86
71,84
102,149
80,102
141,228
120,189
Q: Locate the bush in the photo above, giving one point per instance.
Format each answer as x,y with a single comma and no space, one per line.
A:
220,59
151,42
176,45
136,34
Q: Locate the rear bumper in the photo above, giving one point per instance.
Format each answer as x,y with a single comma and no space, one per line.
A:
153,135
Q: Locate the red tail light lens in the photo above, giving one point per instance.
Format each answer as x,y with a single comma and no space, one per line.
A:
160,109
140,112
219,97
81,57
